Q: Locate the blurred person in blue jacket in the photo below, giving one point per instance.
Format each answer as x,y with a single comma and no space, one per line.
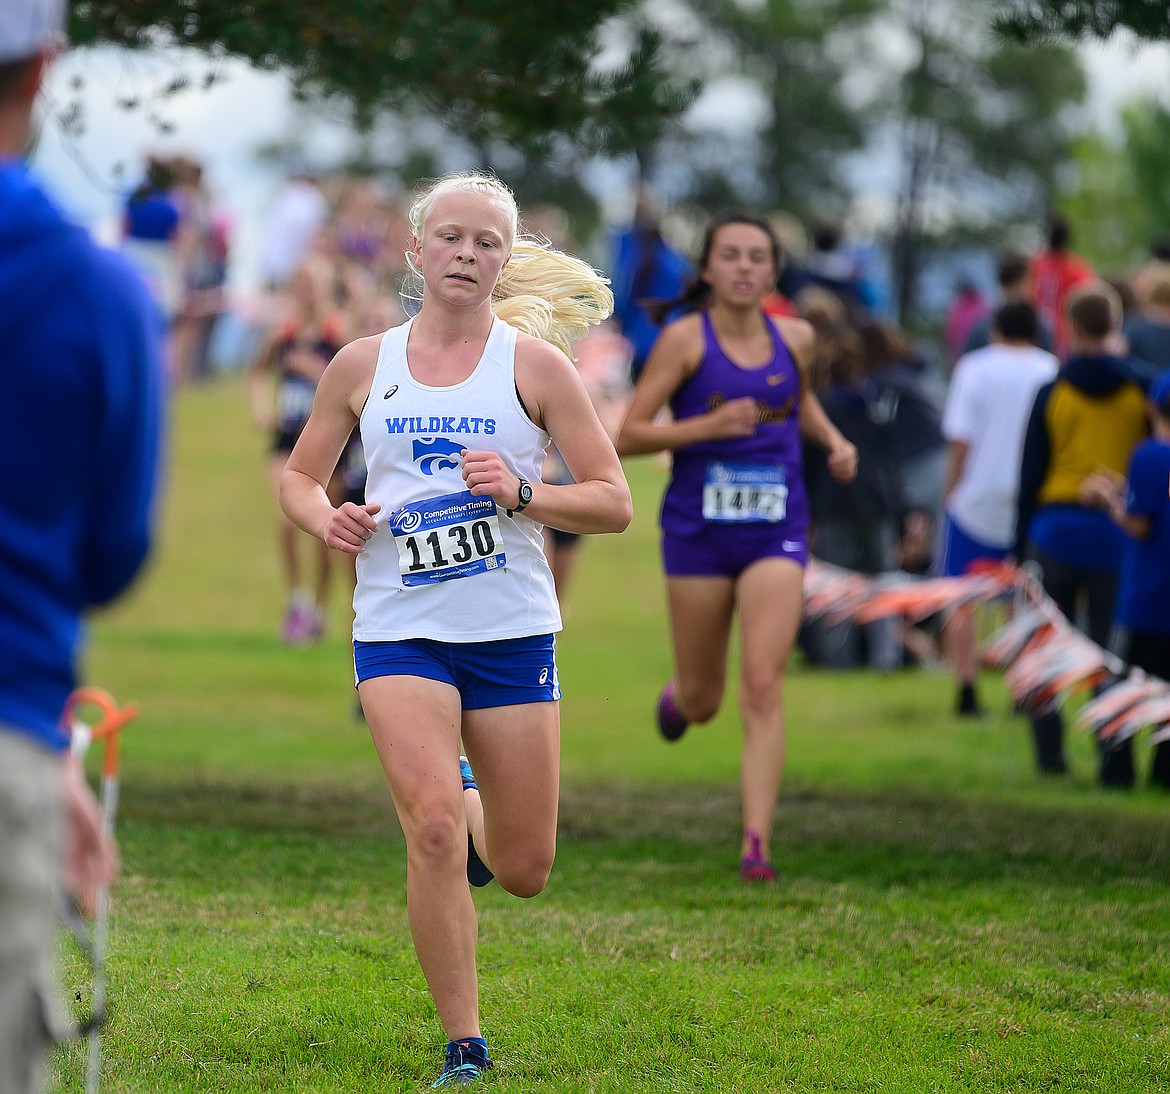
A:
1139,504
80,422
645,268
151,224
833,265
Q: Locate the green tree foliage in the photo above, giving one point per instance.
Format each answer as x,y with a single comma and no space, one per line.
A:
1146,125
1120,202
976,122
1100,204
791,59
1043,20
800,55
517,70
949,131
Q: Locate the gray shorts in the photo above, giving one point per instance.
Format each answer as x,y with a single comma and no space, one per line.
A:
30,822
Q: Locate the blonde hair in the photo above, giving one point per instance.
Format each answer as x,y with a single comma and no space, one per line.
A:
468,182
551,295
542,292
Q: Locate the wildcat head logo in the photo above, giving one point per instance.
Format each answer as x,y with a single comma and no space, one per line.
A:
436,453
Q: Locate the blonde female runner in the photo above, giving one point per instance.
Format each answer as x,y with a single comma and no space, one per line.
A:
455,613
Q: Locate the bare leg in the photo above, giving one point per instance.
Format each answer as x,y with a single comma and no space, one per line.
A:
288,534
325,559
183,334
415,726
769,596
700,628
961,648
515,754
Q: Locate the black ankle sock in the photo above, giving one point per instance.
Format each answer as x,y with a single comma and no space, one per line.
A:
968,703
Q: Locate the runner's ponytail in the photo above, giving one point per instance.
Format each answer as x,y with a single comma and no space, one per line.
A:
551,295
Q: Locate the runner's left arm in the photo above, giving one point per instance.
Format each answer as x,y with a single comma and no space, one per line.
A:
814,422
598,500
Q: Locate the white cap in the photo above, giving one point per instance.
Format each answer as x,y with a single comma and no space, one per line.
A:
28,26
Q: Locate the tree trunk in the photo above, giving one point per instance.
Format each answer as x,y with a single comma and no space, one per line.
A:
907,244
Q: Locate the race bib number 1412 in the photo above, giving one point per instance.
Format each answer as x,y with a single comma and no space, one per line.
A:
735,492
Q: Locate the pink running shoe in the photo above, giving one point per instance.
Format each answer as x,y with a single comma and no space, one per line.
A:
671,724
294,629
753,866
300,625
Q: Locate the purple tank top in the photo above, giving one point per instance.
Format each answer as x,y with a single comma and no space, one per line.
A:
740,480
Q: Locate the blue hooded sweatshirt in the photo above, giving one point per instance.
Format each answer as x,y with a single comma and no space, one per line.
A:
80,423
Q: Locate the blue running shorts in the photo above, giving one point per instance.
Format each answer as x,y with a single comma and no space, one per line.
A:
508,672
955,550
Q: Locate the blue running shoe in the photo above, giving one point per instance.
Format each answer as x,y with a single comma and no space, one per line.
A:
477,872
671,724
465,1062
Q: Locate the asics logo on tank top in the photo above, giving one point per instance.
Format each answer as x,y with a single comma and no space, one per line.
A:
390,392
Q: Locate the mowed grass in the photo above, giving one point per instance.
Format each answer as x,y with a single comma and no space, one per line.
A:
946,921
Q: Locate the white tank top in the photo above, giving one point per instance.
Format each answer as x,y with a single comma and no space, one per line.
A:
443,563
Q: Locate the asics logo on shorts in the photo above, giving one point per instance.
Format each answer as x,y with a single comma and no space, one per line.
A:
436,453
544,676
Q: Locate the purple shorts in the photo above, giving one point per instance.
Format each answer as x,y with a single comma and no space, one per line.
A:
726,550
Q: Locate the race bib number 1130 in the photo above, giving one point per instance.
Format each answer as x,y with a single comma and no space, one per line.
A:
455,535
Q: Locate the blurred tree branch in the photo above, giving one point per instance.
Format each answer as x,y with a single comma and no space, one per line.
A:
518,70
1034,21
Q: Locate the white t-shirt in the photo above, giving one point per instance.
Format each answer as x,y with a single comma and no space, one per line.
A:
298,214
444,564
987,408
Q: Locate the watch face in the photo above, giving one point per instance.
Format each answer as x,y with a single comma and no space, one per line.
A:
525,493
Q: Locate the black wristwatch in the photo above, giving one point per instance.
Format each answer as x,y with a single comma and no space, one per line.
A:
525,496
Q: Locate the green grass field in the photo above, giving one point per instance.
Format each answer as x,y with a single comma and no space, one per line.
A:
946,921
